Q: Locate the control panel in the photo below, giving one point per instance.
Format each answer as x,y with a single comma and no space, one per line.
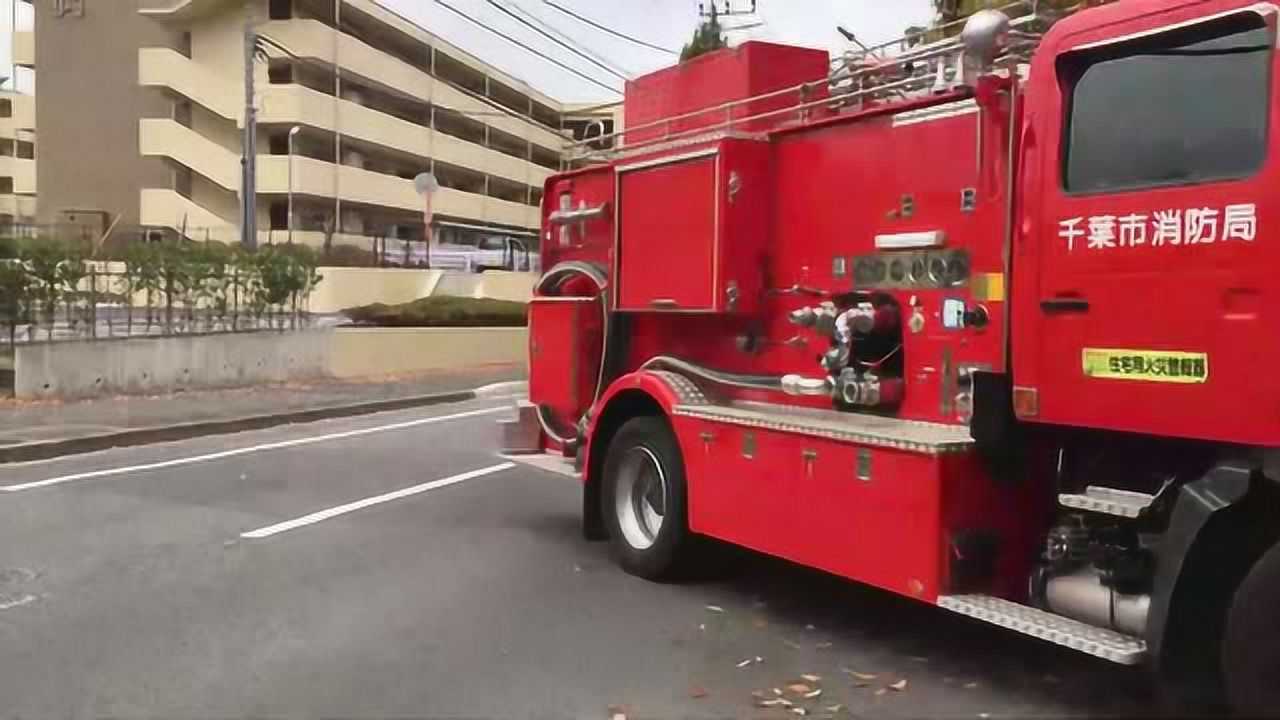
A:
911,270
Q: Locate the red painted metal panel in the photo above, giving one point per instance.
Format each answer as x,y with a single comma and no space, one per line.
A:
1220,299
668,224
751,69
564,354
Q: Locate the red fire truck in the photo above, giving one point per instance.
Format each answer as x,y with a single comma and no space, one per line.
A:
981,320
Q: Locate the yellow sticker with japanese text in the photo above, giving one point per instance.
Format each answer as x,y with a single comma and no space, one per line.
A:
1146,365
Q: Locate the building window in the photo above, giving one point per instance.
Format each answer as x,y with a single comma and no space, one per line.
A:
1181,107
280,73
279,216
280,9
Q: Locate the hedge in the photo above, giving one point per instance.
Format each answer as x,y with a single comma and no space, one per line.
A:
442,312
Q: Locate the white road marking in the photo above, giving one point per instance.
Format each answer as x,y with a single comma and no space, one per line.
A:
322,515
252,449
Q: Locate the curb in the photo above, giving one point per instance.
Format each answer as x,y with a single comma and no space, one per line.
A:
28,452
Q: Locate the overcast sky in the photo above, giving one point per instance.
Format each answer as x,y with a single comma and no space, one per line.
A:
667,23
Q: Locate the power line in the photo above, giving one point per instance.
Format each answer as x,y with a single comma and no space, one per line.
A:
516,42
556,40
559,33
611,31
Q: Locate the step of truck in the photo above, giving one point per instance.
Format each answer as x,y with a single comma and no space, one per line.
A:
1107,644
547,462
1109,501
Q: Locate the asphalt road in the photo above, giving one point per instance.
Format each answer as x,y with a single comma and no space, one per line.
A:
233,576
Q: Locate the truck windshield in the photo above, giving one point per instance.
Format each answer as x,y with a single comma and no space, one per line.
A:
1181,107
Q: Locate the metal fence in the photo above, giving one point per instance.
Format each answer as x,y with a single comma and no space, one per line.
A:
103,307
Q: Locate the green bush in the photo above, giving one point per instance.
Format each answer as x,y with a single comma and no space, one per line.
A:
442,312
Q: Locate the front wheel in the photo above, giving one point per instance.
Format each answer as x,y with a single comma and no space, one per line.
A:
1251,647
645,499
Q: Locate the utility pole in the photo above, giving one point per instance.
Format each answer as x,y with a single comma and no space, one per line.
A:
249,144
337,116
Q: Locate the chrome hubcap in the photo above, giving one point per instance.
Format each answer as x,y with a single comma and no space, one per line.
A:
641,498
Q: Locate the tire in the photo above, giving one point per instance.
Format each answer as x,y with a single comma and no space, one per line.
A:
642,470
1251,645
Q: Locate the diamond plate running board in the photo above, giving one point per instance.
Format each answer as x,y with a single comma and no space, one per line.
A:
1104,643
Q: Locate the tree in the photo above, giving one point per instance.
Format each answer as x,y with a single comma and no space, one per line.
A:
15,296
950,11
707,38
44,261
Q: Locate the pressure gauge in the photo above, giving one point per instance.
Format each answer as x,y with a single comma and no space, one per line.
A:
938,270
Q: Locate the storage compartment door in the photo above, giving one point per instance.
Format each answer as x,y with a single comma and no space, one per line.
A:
564,355
668,230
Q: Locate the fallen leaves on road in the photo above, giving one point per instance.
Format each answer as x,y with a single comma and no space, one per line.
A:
618,712
810,627
792,644
899,686
760,623
745,663
823,645
834,708
715,608
970,686
697,693
800,711
811,678
881,691
860,675
813,694
798,688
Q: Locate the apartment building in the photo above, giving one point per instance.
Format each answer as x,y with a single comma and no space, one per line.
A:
141,106
18,136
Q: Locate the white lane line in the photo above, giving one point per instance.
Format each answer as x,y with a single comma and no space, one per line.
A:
252,449
322,515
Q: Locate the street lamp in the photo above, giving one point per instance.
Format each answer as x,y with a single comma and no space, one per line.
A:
293,133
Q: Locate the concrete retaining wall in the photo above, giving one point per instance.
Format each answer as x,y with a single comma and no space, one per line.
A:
159,365
367,352
345,287
67,370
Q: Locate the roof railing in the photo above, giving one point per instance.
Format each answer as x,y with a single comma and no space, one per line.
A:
861,77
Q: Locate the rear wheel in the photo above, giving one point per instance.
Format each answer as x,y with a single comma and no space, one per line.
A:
1251,647
645,499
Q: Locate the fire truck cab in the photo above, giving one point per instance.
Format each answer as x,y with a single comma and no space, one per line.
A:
982,319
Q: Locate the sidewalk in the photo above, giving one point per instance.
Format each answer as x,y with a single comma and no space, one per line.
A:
36,430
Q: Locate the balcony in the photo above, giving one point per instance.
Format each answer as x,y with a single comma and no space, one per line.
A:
316,178
18,206
167,208
168,138
312,39
180,10
24,48
298,105
162,67
22,171
22,120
